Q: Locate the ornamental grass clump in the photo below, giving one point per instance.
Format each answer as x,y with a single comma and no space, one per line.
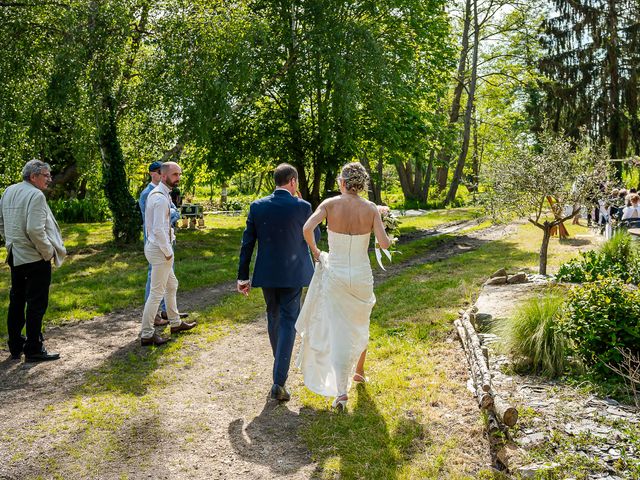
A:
533,338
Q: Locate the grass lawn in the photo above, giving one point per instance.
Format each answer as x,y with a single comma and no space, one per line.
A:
405,424
398,425
99,277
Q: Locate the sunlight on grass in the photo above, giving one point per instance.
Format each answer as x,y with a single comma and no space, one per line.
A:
118,404
99,277
436,217
405,424
396,426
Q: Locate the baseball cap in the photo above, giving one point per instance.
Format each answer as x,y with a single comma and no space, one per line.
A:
155,166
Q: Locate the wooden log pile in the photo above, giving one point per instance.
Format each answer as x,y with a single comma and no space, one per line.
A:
477,358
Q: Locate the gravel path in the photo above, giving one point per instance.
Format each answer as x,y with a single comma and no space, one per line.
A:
223,390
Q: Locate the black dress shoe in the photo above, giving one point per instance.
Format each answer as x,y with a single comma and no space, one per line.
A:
279,393
166,317
42,356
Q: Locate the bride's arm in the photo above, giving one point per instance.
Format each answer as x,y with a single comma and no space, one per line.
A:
308,230
378,229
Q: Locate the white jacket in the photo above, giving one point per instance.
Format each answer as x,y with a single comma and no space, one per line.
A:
27,224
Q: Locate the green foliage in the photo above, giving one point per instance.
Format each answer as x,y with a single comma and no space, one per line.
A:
233,204
76,210
616,258
533,337
601,316
557,170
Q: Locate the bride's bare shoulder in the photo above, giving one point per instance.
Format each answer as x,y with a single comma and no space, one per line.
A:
327,203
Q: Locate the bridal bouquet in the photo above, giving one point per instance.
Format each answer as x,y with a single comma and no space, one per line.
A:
390,223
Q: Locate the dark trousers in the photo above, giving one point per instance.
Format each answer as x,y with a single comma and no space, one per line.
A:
29,288
283,307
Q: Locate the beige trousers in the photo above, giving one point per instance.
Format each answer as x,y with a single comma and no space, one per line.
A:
163,284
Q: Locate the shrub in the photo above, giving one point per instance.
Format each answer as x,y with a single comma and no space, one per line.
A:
601,318
233,205
616,258
532,335
75,210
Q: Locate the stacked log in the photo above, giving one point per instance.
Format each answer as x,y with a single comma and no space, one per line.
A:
477,358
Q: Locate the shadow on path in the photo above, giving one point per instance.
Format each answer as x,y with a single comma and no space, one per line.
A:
271,439
359,444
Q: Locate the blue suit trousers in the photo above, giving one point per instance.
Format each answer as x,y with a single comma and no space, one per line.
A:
283,307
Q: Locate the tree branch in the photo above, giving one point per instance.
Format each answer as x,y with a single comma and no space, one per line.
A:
38,4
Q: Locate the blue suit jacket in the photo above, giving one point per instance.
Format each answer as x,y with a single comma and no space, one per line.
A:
283,259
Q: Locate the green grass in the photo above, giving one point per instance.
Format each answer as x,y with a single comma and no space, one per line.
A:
394,428
99,277
437,217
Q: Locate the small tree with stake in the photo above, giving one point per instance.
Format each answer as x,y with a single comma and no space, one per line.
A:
548,184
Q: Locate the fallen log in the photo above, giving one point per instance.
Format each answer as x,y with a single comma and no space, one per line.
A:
485,399
507,414
477,358
476,349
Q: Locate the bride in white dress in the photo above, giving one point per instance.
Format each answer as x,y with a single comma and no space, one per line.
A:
334,320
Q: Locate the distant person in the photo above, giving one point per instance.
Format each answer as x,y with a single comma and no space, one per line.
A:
627,199
33,239
159,252
154,172
283,266
633,211
176,198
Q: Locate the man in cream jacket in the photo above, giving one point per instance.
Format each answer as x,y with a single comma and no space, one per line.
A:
33,239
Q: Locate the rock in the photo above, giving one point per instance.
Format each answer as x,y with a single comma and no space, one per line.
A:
496,281
519,277
499,273
483,318
530,471
532,440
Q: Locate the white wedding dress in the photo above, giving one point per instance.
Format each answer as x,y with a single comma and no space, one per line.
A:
334,320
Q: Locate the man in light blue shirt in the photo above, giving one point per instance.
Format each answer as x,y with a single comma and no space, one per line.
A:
154,173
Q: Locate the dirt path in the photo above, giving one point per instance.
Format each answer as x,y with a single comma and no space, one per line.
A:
223,390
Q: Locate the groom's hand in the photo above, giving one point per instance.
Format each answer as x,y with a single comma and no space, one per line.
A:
244,286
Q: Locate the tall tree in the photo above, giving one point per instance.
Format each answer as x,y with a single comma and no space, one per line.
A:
591,61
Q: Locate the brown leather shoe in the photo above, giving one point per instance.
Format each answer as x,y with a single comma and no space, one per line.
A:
155,340
184,326
159,321
166,317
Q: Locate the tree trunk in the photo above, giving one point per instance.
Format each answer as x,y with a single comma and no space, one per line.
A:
427,180
223,193
442,172
127,221
618,143
293,109
444,157
457,175
375,184
544,248
474,180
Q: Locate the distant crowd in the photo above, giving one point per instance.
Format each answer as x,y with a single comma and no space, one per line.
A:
619,206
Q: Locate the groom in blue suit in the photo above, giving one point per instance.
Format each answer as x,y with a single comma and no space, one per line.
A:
283,265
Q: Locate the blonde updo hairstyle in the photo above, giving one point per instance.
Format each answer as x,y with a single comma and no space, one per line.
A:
355,177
